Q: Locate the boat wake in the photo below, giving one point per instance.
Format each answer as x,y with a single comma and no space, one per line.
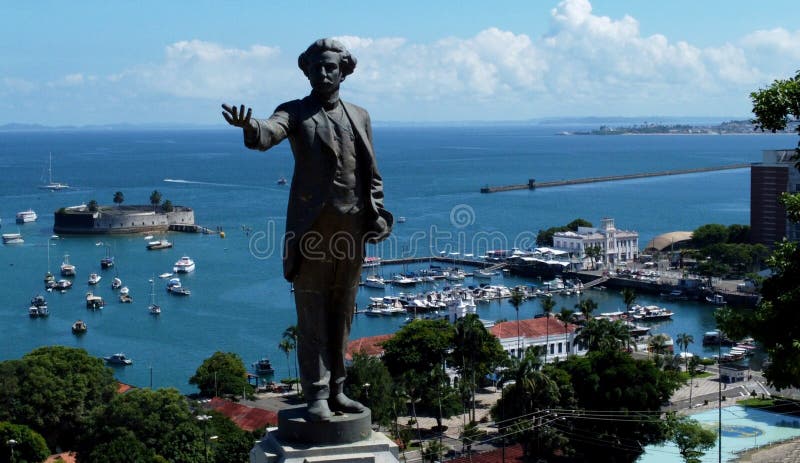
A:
196,182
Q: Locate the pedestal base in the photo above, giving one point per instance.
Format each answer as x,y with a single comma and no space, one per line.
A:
376,448
340,429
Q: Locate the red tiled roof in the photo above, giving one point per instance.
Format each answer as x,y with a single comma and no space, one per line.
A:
371,346
512,453
66,457
123,388
247,418
530,328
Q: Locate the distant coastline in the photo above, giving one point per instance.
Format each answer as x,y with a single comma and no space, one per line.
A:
651,128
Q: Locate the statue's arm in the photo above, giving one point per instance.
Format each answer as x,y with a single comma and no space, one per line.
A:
259,134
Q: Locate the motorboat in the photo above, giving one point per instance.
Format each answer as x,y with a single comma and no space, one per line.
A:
158,244
401,219
38,307
184,265
374,281
63,285
124,290
118,359
94,278
165,275
94,302
107,262
650,313
281,181
371,261
116,283
67,269
26,216
125,298
12,238
483,274
51,185
79,327
174,286
263,367
49,281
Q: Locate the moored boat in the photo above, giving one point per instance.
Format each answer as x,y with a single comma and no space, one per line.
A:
153,308
116,283
158,244
118,359
79,327
94,278
374,281
184,265
263,367
174,286
716,299
12,238
67,269
27,216
94,302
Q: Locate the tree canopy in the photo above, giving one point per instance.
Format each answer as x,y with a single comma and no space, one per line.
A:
369,382
222,374
29,445
545,237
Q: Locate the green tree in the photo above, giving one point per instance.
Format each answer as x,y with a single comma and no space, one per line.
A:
475,353
691,438
774,107
232,444
594,253
738,233
548,304
369,382
433,451
708,234
565,317
168,206
123,447
92,206
516,300
53,390
155,198
545,237
629,297
160,419
600,334
29,445
222,374
291,335
683,340
586,307
119,198
287,347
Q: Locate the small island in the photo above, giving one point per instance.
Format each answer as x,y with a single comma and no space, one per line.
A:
96,219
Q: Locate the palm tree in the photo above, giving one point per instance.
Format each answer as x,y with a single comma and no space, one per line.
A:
548,304
92,206
119,198
602,334
291,335
594,253
565,316
684,340
629,297
516,300
155,198
586,306
286,347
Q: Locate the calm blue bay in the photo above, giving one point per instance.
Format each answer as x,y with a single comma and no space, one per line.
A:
240,301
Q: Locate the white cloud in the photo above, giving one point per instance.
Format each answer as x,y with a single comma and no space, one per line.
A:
15,85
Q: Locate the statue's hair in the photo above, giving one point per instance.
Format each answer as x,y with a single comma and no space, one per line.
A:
347,62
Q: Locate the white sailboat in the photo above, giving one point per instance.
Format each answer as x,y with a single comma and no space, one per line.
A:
51,185
154,308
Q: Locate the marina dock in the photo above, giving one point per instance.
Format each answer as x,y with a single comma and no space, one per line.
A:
533,184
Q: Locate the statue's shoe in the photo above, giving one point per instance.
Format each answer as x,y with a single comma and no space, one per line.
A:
318,410
342,403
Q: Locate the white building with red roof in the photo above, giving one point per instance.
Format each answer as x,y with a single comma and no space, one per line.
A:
538,332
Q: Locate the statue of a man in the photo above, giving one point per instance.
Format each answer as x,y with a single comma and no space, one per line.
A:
335,207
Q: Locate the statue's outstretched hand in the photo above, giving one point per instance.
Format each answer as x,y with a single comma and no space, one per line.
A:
238,118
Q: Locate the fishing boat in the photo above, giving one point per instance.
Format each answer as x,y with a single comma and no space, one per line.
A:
67,269
263,367
184,265
79,327
26,216
12,238
51,185
153,308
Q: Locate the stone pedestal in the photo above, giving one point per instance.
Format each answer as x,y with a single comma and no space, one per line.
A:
345,438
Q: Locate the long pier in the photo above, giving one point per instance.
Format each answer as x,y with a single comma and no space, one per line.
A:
533,184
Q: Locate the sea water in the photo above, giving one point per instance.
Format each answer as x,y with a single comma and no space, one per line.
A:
241,303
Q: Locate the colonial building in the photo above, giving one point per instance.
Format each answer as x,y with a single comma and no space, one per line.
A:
616,245
545,332
768,179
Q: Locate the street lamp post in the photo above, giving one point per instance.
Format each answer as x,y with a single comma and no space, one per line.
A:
204,419
11,443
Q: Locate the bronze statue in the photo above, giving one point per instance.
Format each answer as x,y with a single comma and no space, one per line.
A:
335,207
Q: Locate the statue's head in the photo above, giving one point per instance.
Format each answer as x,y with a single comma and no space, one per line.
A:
326,63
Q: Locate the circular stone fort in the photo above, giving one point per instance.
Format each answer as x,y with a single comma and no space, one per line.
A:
121,219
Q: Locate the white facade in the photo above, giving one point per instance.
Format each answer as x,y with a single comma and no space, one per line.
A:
535,333
617,245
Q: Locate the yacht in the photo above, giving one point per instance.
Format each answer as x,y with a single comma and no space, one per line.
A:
94,278
26,216
158,244
51,185
174,286
38,307
12,238
94,302
184,265
374,281
263,367
118,359
153,308
67,269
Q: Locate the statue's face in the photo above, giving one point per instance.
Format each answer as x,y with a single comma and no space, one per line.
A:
324,73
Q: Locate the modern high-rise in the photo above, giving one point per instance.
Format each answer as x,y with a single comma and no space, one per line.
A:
775,175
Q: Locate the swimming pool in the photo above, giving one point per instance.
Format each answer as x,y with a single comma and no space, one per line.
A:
742,429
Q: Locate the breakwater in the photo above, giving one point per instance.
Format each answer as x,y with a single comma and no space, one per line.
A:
533,184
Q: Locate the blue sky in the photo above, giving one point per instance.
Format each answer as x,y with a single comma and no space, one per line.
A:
95,62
